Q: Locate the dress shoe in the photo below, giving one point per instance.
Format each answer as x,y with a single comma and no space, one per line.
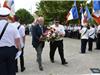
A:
41,68
82,52
64,63
52,61
90,50
23,69
97,49
16,70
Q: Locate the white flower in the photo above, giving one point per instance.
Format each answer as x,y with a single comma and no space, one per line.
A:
53,34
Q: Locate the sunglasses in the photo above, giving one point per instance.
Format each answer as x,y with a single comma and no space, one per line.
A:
56,21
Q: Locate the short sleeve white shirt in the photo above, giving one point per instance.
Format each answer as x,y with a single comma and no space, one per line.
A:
11,33
60,28
84,33
98,29
92,33
21,32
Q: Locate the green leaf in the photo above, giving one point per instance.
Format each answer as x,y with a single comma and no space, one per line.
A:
25,16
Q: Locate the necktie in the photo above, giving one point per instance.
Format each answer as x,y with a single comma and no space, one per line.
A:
41,28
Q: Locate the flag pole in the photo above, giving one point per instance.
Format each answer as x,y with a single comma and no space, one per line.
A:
80,14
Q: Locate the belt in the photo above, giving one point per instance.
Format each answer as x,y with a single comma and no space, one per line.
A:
7,46
59,40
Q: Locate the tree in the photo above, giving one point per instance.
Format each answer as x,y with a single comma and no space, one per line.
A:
50,9
24,16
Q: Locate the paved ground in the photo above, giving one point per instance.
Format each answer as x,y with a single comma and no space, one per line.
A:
78,63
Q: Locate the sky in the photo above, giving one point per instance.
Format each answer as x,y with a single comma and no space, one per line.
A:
29,5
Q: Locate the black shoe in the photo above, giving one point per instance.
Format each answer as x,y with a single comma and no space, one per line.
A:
41,68
16,70
64,63
23,69
97,49
82,52
52,61
90,50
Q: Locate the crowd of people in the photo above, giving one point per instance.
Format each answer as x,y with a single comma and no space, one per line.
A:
87,33
72,31
37,30
12,41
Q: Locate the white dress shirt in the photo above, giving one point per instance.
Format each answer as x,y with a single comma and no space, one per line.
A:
21,32
10,34
92,33
98,29
86,35
59,28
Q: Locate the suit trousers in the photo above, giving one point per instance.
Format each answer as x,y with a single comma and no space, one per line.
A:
7,60
39,50
53,46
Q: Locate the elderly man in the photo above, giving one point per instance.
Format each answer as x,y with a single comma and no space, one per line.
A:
38,44
9,37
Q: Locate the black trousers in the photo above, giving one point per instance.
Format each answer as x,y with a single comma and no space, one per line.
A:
98,43
59,45
7,60
78,35
83,45
90,44
21,60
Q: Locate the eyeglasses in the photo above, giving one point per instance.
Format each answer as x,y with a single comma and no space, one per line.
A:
56,21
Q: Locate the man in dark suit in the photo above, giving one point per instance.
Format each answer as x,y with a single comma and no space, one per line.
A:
38,44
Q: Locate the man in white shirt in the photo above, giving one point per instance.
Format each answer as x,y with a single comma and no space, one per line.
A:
84,38
21,30
98,38
58,43
91,37
9,39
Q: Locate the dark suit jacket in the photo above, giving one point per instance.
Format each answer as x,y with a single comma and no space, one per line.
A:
36,34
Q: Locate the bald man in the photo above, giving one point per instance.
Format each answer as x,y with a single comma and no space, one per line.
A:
38,44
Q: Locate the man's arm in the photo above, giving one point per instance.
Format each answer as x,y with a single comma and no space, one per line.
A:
24,40
17,42
34,33
23,34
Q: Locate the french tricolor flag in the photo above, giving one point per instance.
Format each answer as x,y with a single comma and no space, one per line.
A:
73,13
10,5
96,12
85,16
